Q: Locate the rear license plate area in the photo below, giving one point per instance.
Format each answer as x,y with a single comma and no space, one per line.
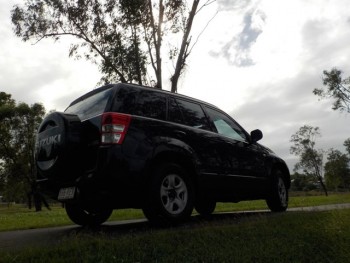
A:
67,193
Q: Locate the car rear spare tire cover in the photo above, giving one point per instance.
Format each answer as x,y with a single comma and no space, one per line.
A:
57,145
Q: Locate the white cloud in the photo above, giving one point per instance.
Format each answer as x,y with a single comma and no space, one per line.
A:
297,40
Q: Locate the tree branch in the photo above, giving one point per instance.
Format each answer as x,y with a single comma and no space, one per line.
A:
83,36
209,2
199,35
92,44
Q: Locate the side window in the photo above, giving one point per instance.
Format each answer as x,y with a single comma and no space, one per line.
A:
151,104
225,126
174,113
141,102
126,100
193,114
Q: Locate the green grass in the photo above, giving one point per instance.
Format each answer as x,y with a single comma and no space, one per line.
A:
18,217
284,237
294,201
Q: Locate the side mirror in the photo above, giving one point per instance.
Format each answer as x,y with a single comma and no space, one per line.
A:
256,135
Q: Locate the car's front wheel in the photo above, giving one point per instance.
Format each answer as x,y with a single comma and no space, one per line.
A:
277,199
170,196
87,217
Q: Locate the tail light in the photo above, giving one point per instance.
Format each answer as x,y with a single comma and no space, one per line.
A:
114,127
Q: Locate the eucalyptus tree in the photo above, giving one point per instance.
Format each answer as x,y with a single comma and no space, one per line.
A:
18,125
347,146
125,38
337,171
310,158
338,88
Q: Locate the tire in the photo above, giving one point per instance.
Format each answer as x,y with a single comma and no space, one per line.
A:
205,207
84,217
57,147
170,195
277,200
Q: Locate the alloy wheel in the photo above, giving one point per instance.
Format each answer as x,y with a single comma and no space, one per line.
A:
174,194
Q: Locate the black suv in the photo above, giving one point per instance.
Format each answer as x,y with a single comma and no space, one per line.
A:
127,146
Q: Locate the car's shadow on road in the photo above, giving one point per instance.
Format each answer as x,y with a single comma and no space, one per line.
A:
142,225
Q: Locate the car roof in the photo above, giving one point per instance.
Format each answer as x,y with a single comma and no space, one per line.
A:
118,85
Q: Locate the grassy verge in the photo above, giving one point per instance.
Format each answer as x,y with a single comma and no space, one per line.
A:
286,237
18,217
296,200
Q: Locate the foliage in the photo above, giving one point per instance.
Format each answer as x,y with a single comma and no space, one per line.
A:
347,146
337,88
302,182
337,171
18,125
122,36
311,160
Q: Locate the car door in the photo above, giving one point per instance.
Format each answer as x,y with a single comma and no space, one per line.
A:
249,179
194,129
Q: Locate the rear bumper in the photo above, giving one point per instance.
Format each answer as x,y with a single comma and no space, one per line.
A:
115,180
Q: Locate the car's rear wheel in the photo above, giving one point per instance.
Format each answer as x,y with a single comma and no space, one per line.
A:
277,200
170,196
205,207
87,217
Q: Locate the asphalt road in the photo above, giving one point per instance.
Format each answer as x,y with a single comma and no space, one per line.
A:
14,240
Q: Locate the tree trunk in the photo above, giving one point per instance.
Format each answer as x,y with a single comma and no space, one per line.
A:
323,185
181,59
158,46
157,41
37,201
137,52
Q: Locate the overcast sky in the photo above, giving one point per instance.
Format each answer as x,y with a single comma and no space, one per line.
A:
257,60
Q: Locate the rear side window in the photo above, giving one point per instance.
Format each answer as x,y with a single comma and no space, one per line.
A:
192,114
143,103
151,104
90,106
175,114
125,101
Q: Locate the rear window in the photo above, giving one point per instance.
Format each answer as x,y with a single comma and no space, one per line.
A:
90,106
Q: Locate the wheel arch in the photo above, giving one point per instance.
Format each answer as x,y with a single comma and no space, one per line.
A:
181,158
285,171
